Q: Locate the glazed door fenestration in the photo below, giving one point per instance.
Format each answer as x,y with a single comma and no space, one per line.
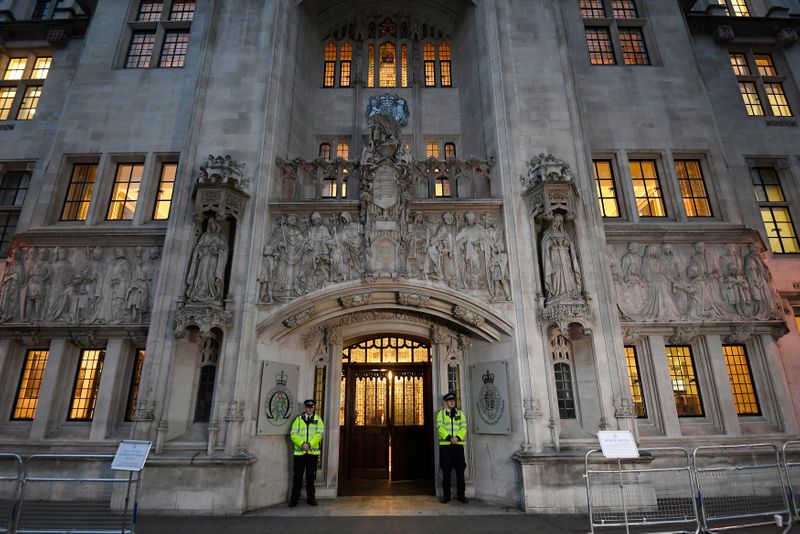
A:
410,434
368,434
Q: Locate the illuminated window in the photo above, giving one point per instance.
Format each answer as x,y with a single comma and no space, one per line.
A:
140,50
342,398
404,66
16,68
432,150
752,102
454,381
30,384
41,68
133,389
329,187
741,377
759,81
7,95
325,151
173,53
387,350
647,188
409,400
606,190
764,64
79,193
775,211
632,363
685,388
444,65
30,101
86,386
387,65
601,52
737,8
125,193
166,186
371,66
777,100
343,151
319,390
634,51
429,59
624,9
345,63
739,64
13,188
592,9
693,188
441,186
329,78
449,150
182,10
149,11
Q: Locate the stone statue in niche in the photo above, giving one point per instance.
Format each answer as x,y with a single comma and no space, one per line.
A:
759,280
13,282
500,287
289,244
348,256
320,244
562,272
416,247
206,278
737,290
474,249
39,275
442,252
62,291
119,281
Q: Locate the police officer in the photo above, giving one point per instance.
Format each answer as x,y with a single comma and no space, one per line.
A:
306,434
451,425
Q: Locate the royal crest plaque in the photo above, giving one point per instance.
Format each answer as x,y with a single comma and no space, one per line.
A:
277,406
489,383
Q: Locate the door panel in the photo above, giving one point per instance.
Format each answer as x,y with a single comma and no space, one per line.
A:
368,436
410,425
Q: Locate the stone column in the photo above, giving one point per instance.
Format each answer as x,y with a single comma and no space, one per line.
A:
5,356
664,394
111,381
333,403
55,388
783,399
722,383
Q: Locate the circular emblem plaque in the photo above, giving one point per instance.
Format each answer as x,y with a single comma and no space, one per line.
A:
490,401
279,402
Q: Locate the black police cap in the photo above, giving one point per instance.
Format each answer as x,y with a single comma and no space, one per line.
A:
449,396
309,402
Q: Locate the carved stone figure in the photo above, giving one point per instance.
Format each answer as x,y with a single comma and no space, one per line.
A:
289,245
631,288
416,246
138,296
39,274
348,256
320,244
206,278
442,252
562,272
736,290
760,283
658,302
474,249
13,282
500,287
62,291
265,282
119,281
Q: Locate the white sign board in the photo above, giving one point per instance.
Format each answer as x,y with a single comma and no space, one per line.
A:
131,455
618,444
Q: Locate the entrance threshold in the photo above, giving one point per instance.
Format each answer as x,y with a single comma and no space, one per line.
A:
402,505
385,488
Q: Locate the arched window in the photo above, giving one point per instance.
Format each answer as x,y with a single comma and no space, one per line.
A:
329,187
345,62
343,151
371,66
429,58
325,151
205,386
441,186
445,65
562,368
388,65
404,66
319,390
454,381
449,150
329,76
432,150
392,71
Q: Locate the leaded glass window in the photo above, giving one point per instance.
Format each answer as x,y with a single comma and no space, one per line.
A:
741,378
387,350
685,387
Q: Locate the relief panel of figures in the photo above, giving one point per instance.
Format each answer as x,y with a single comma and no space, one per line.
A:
79,285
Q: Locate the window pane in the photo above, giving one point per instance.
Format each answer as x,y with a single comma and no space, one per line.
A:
133,390
205,394
632,362
41,9
432,150
592,9
329,188
442,186
777,100
564,394
371,66
16,68
7,95
752,102
87,384
27,110
388,65
449,150
182,10
444,65
739,64
741,377
125,193
325,151
739,8
140,50
344,65
764,65
693,188
30,384
150,11
598,40
429,58
329,77
79,193
606,191
13,188
404,66
767,186
343,151
634,50
647,189
166,186
454,381
685,388
173,53
780,230
41,68
624,9
8,227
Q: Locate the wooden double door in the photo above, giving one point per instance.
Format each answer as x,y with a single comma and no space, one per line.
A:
386,423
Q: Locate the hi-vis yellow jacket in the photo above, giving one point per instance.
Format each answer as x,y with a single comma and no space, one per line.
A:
310,433
448,427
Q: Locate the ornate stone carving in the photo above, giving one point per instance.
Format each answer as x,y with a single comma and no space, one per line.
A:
468,316
532,409
299,318
84,338
359,299
221,188
205,281
779,331
30,338
417,300
145,410
562,315
624,408
223,170
684,334
333,335
235,411
675,283
203,317
739,334
78,286
562,272
546,168
723,34
438,333
631,336
787,37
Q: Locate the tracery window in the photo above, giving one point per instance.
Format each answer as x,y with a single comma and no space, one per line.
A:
562,369
207,378
387,350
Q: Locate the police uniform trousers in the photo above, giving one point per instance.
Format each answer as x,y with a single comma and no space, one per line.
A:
452,457
308,463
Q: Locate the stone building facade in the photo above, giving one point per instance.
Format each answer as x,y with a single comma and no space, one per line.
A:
578,215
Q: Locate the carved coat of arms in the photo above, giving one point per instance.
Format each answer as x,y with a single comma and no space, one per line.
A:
490,400
278,404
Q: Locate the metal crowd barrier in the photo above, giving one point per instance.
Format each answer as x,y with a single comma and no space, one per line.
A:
740,486
791,465
10,487
655,489
54,500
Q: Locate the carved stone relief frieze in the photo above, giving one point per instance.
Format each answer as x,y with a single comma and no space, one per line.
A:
700,282
79,285
417,300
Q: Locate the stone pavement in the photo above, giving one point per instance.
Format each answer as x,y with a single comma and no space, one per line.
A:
378,515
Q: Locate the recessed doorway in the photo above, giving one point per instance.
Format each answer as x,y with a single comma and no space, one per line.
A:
386,427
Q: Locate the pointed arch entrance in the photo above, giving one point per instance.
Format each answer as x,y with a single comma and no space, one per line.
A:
385,416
